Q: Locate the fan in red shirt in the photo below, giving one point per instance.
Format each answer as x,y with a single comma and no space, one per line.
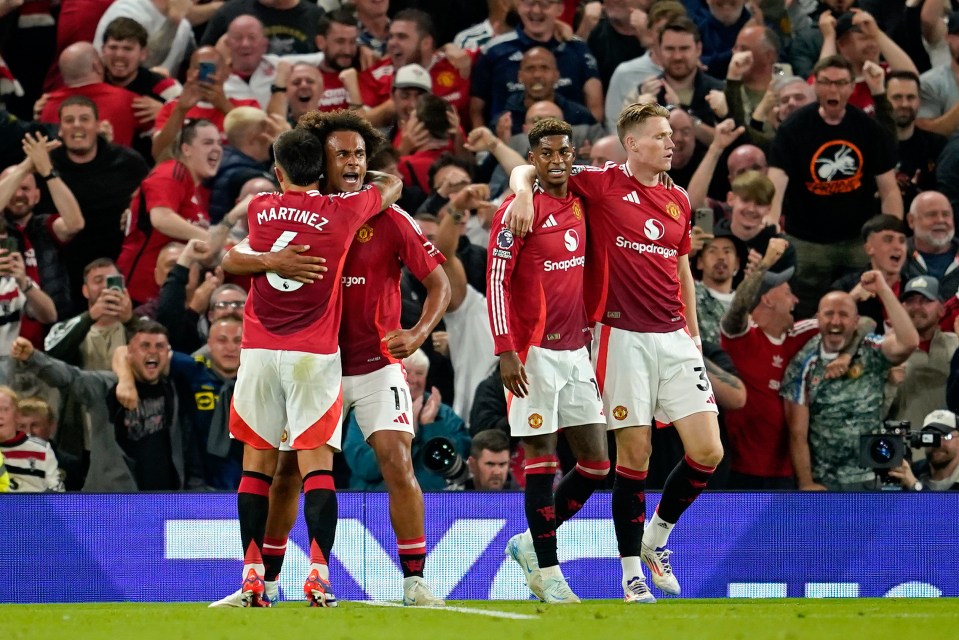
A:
170,205
646,350
539,326
412,40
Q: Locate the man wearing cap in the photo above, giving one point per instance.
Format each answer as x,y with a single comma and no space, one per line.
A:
412,40
884,240
719,262
918,386
827,416
857,38
933,248
409,83
939,470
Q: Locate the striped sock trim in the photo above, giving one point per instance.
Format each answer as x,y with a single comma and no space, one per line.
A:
411,546
274,546
318,480
632,474
593,470
257,486
698,467
544,465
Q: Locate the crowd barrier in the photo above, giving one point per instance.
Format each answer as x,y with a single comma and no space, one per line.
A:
186,547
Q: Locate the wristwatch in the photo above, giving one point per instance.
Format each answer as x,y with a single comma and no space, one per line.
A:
274,88
50,176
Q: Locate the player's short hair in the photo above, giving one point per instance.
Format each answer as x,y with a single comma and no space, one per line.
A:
97,264
902,74
240,123
753,186
300,154
636,114
549,127
188,133
340,16
432,111
422,20
447,160
150,327
79,101
489,440
681,24
417,359
880,223
10,393
123,28
321,124
834,62
35,406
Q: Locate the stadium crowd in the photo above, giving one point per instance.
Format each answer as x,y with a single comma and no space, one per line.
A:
815,141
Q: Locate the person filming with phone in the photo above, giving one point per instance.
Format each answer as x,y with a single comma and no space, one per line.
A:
19,293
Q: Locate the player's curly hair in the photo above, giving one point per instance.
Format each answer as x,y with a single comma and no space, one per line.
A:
322,124
548,127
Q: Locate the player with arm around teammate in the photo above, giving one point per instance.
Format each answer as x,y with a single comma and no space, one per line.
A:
646,349
539,326
288,386
374,383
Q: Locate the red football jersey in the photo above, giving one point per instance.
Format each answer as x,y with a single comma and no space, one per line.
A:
758,434
636,234
285,314
376,84
535,284
168,185
202,110
371,286
114,104
334,93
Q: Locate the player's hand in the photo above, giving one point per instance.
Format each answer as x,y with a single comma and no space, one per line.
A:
666,180
903,473
519,214
21,350
431,407
838,367
811,485
127,395
873,282
401,343
441,343
291,263
513,374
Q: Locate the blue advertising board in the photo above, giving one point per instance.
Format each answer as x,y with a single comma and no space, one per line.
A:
185,547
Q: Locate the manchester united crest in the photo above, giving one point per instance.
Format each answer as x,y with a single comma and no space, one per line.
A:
446,79
672,210
285,436
854,371
620,412
577,210
365,233
535,421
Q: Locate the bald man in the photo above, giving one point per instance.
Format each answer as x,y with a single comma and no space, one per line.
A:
933,248
827,416
82,74
745,158
607,149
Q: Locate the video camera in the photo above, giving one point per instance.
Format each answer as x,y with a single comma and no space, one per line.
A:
441,457
886,449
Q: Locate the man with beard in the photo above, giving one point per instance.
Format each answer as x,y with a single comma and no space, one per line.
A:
939,471
827,416
538,74
719,262
933,247
41,236
918,386
337,39
919,149
884,240
102,176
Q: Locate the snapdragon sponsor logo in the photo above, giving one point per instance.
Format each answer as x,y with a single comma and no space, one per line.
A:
640,247
349,281
564,265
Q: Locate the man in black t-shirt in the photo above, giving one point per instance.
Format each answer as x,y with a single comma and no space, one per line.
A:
290,25
827,162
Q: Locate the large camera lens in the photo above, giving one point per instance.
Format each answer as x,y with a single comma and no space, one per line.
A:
882,450
439,455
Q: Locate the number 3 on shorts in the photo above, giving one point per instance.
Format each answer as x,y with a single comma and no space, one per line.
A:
277,281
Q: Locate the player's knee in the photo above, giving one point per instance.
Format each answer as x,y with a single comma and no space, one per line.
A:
709,456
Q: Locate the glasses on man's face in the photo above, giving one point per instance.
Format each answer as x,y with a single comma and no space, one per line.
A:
839,84
229,304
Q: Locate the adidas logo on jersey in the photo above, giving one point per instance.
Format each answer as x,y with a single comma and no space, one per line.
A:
550,222
401,419
632,197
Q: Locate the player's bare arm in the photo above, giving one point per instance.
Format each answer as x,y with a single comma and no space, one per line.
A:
389,186
403,342
289,262
519,217
687,290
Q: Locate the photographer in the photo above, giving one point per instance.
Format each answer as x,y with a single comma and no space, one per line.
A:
940,470
431,420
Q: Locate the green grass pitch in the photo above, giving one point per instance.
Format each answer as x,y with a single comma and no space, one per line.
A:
869,619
